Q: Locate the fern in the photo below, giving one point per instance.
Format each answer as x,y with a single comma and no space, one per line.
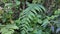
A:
30,15
5,29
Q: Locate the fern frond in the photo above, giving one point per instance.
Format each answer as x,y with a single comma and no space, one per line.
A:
5,29
28,15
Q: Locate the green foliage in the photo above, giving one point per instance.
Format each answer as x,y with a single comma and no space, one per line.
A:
38,1
30,15
8,29
32,20
57,12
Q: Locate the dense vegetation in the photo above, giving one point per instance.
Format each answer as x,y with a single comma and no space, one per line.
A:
29,16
